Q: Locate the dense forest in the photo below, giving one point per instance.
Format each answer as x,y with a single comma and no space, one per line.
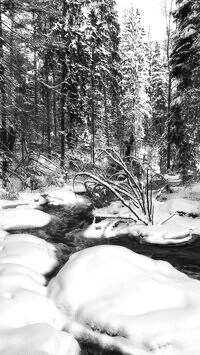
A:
73,80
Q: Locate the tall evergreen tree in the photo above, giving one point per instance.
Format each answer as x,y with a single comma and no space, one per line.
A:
185,69
135,105
158,95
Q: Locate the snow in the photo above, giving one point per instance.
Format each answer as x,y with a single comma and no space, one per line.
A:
20,307
10,238
65,197
107,294
171,232
40,257
168,228
2,233
16,269
128,302
13,218
181,205
37,339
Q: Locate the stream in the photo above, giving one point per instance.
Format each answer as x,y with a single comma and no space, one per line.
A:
65,232
66,229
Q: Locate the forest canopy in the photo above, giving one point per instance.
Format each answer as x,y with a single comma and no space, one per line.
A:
73,80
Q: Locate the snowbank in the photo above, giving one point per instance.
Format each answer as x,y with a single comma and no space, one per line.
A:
128,302
13,218
29,322
65,197
39,257
172,224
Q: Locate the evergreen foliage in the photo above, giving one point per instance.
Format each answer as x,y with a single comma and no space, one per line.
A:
185,69
73,81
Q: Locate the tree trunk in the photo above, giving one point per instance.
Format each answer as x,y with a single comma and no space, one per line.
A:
63,93
35,73
11,131
106,115
54,106
48,107
93,120
168,16
4,145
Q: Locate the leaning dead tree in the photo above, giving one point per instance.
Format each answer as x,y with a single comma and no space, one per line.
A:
132,184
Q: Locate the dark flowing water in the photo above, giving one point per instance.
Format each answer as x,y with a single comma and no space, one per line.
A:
66,233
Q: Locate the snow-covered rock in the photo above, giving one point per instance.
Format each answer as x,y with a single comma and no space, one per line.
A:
168,233
24,237
37,339
39,257
182,205
3,233
13,218
16,269
20,307
13,203
128,302
13,282
66,197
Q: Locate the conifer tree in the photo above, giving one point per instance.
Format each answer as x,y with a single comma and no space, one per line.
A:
185,69
135,105
158,95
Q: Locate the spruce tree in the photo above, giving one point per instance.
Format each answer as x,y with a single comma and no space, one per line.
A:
135,105
185,69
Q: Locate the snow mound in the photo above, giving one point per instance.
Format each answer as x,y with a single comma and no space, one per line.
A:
13,218
20,307
13,282
66,197
37,339
182,205
172,232
125,301
39,257
24,237
16,269
3,233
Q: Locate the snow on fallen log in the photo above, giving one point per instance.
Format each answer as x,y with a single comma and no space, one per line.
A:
111,296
